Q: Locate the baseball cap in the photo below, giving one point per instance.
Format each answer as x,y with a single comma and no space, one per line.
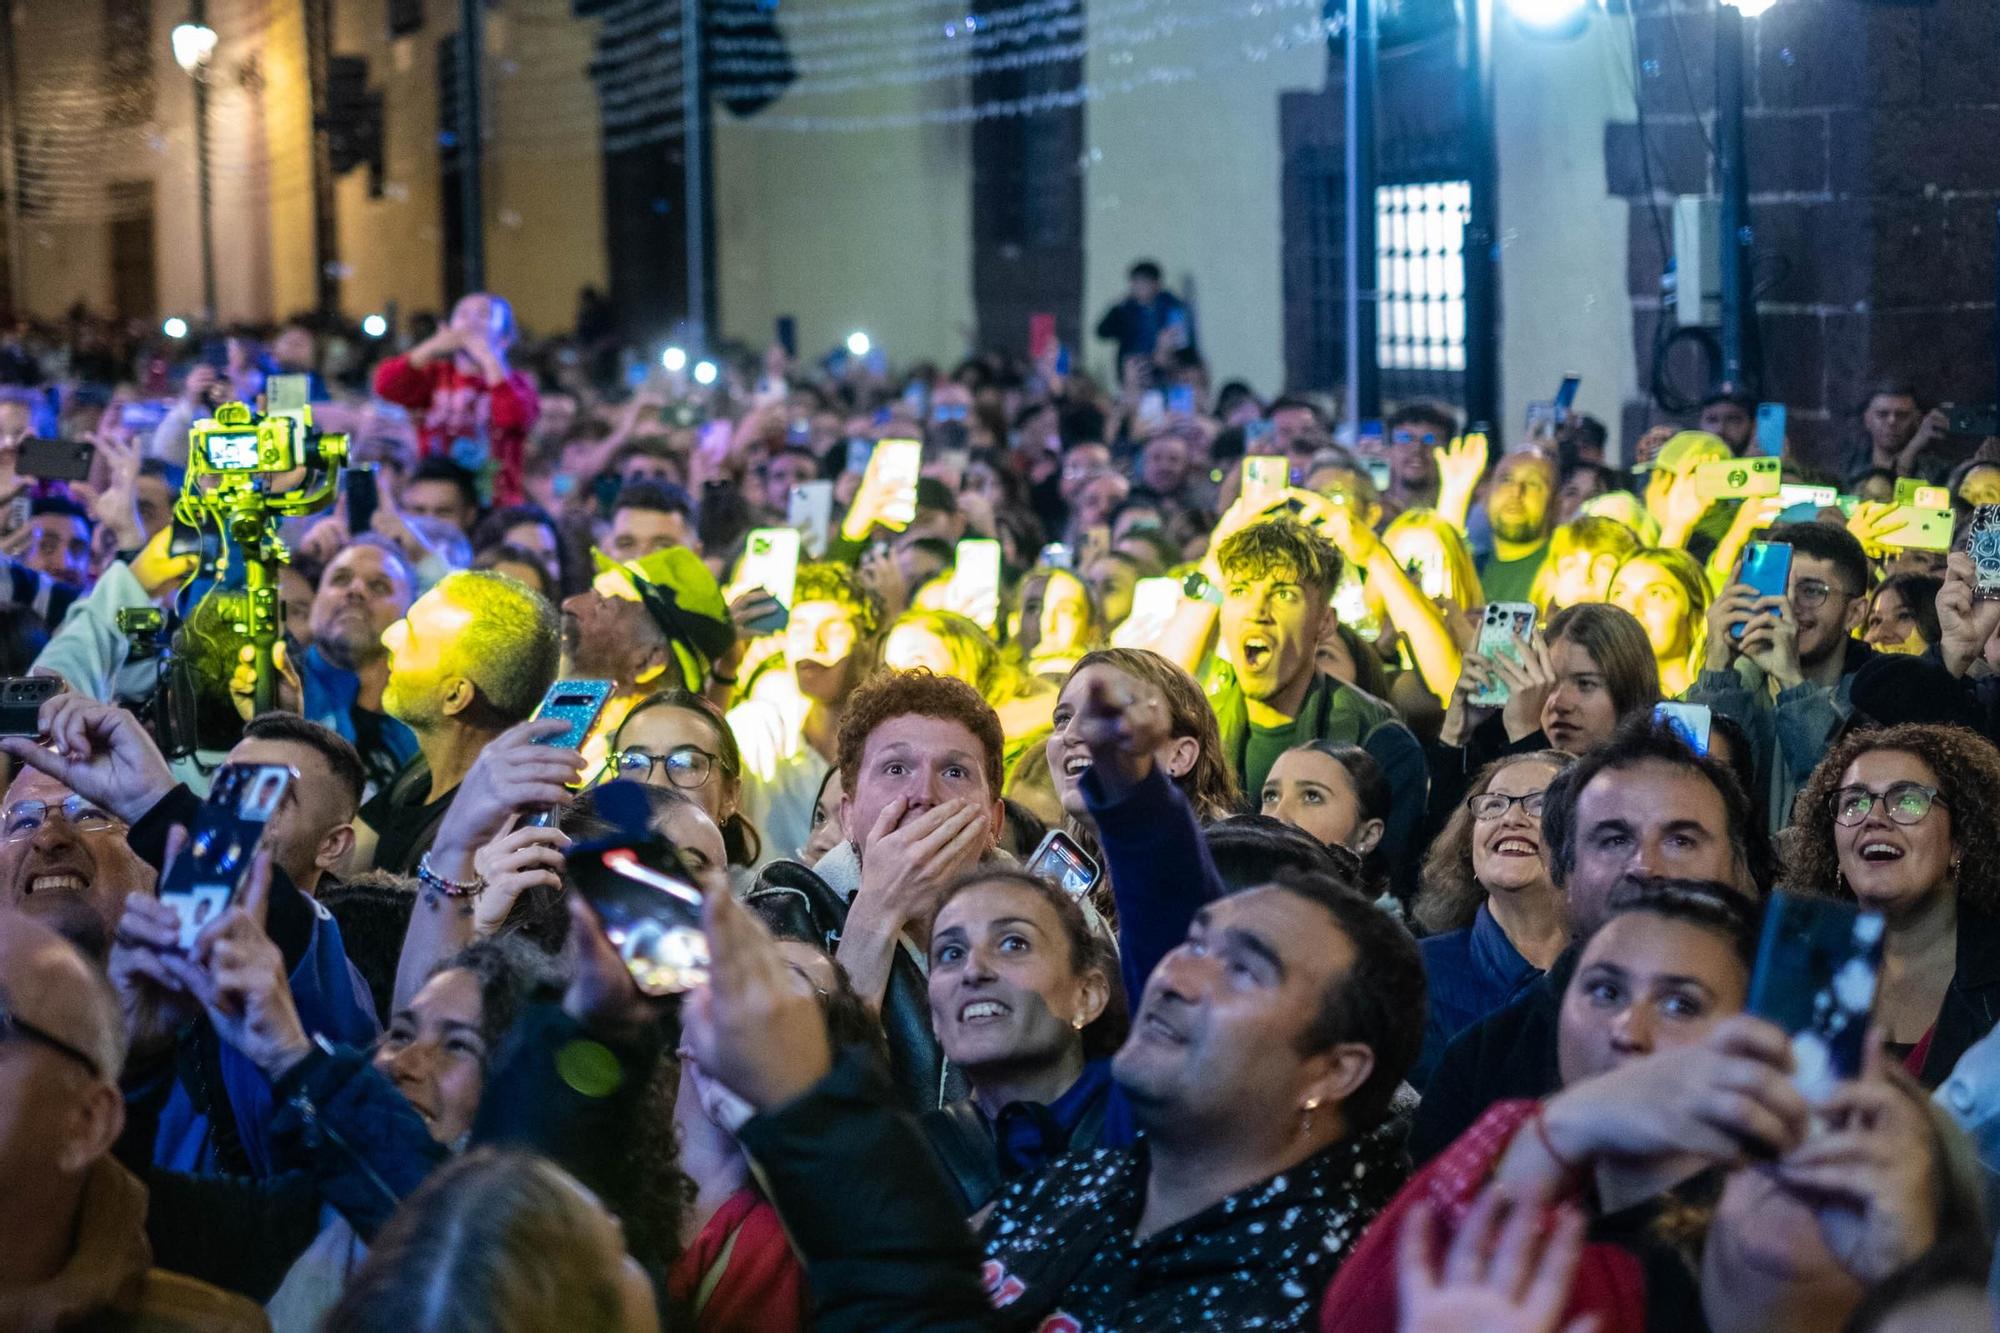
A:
683,599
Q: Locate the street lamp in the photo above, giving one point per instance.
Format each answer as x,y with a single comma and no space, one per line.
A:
194,47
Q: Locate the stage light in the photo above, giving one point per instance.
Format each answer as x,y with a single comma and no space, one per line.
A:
375,326
704,372
674,360
175,327
859,343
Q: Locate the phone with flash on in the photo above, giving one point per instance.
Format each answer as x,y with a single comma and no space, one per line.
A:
1737,478
1503,632
771,562
227,831
1818,965
1061,860
975,576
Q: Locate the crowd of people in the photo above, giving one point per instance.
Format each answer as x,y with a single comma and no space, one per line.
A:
1396,974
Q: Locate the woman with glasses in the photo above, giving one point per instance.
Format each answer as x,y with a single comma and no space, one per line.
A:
1494,920
680,740
1906,820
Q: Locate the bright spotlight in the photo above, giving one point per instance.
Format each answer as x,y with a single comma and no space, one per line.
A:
859,343
375,326
194,44
674,360
175,327
704,372
1551,16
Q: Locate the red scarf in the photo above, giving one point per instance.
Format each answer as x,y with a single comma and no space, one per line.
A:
1609,1280
740,1274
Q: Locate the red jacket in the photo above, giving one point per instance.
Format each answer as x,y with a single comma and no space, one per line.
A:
1610,1282
452,406
740,1274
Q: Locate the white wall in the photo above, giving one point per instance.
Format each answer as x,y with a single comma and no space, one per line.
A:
1564,304
861,229
1188,174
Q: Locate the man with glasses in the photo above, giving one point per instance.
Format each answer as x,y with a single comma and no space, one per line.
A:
73,1218
1788,679
1413,435
64,858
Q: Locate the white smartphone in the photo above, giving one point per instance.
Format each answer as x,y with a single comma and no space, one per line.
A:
976,576
771,562
896,465
1502,633
811,512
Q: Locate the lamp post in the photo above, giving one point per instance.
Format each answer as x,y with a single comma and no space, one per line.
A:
194,46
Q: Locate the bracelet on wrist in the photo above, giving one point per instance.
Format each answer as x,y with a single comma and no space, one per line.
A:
1539,1123
450,888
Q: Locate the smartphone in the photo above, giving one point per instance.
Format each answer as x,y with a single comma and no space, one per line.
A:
976,577
577,702
788,336
650,908
771,562
1180,400
1770,435
1542,420
1041,334
1980,421
1982,543
1255,433
1737,478
19,510
1152,407
56,460
859,451
1378,472
1265,477
363,498
209,872
21,700
1062,862
1502,633
1818,497
1919,529
1566,396
897,464
1056,555
1817,968
143,417
1767,568
1914,492
1691,722
1154,601
811,512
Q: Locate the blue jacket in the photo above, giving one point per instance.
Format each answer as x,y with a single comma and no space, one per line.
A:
1469,974
330,693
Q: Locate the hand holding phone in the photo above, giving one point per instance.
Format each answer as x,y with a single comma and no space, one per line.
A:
771,562
205,878
1766,571
1737,478
1818,965
1504,630
1061,860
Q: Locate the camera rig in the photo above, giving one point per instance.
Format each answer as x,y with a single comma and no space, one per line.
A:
247,470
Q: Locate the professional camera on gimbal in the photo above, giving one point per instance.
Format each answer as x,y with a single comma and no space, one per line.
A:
246,471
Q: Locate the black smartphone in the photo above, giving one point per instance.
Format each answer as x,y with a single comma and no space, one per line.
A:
231,823
1980,421
56,460
1817,968
1061,860
363,498
21,700
788,335
649,904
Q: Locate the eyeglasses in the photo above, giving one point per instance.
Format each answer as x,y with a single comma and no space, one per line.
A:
1904,802
24,819
1811,593
1493,805
1414,437
13,1026
686,766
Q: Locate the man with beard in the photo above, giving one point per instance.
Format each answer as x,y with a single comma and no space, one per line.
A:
473,657
1518,507
647,624
366,589
1277,579
789,745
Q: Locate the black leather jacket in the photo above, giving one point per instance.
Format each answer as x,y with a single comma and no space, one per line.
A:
797,902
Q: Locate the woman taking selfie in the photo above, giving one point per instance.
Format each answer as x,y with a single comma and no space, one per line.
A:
1904,821
1495,920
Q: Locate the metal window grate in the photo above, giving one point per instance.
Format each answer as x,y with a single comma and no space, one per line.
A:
1420,253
